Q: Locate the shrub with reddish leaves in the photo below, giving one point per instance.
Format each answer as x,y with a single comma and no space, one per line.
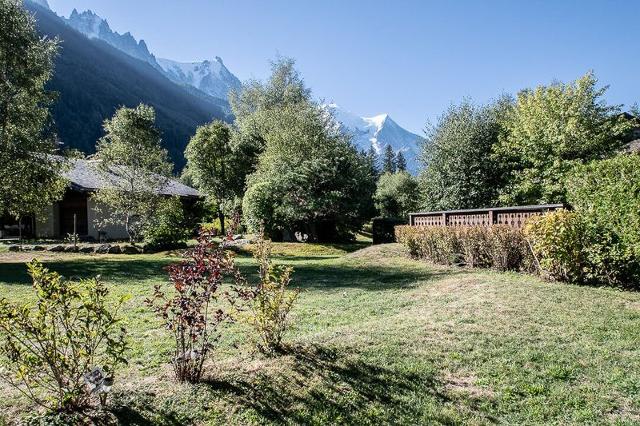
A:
198,305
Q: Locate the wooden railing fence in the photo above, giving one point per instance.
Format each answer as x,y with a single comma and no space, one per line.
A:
510,216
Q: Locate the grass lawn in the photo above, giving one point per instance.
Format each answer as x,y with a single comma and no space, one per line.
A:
379,338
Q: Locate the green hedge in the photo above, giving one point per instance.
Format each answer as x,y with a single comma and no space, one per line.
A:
499,247
570,246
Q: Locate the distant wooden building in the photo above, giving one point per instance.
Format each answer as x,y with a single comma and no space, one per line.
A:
58,220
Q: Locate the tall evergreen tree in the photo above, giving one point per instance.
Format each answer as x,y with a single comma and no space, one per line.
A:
374,159
30,177
401,162
389,160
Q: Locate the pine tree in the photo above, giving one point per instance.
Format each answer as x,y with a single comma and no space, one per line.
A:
374,159
401,162
389,160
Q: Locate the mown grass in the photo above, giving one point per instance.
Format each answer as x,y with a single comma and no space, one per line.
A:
377,339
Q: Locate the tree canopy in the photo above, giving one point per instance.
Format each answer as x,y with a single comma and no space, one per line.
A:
459,170
550,130
30,176
213,164
396,195
309,178
131,150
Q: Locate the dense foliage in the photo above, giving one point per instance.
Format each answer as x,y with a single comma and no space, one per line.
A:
607,194
396,194
599,242
168,227
308,178
549,131
499,247
214,165
64,350
131,149
459,171
30,177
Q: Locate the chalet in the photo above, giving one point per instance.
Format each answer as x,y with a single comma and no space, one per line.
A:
57,221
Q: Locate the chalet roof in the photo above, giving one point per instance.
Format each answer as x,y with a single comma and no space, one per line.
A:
84,176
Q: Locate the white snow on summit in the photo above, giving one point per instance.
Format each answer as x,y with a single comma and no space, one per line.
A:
211,77
378,131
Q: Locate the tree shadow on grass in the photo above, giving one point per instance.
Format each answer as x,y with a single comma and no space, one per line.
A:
368,277
113,270
323,386
304,385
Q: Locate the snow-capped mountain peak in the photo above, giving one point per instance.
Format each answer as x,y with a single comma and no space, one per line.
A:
378,132
94,26
211,77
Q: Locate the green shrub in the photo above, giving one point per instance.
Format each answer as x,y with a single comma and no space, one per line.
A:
558,240
272,300
599,242
499,247
167,228
606,193
571,246
67,345
215,228
510,250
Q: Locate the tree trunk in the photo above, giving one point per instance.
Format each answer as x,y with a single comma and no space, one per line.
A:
127,228
221,219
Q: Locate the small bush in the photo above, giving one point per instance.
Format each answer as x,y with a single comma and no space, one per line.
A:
214,227
272,300
499,247
167,229
558,242
188,313
64,350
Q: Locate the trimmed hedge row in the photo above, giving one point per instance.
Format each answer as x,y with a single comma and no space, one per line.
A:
498,247
570,246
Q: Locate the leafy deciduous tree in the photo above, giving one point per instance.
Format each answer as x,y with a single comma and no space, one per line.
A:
211,162
550,130
30,177
459,170
131,151
309,177
396,194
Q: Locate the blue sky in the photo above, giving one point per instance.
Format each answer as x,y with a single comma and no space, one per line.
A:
408,58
